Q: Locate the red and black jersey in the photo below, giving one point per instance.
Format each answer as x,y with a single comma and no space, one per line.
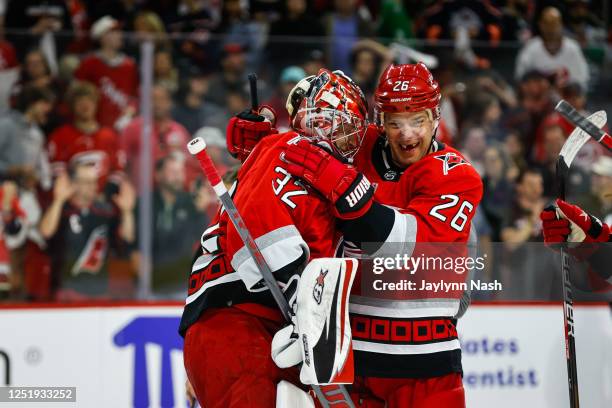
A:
117,82
289,222
79,249
69,144
432,201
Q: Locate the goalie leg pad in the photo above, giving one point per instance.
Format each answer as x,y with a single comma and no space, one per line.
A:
321,330
290,396
323,322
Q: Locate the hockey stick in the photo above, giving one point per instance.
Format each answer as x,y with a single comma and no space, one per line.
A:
335,395
578,120
253,87
570,148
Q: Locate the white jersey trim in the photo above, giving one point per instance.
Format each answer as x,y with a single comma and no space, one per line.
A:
404,308
279,248
427,348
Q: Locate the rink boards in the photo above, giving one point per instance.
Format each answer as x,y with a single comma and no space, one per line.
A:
130,355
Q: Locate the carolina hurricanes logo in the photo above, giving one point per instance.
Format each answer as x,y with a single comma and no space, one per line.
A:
317,291
451,160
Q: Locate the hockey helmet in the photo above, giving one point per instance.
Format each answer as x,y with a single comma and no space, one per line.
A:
407,88
331,109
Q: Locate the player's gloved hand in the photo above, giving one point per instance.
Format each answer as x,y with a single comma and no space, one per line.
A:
569,223
348,190
247,128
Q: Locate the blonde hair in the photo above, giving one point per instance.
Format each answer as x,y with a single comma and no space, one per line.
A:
79,89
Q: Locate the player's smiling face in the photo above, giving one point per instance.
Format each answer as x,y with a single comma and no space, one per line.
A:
409,135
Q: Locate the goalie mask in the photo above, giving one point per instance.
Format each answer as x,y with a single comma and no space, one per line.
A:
329,108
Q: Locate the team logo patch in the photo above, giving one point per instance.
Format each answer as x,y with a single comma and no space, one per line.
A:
390,175
317,291
451,160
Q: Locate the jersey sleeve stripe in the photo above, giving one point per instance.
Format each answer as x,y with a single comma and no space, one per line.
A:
279,248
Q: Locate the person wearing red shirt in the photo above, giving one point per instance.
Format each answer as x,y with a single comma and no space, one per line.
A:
114,74
84,140
167,136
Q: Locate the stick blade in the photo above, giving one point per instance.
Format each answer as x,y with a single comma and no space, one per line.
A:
579,137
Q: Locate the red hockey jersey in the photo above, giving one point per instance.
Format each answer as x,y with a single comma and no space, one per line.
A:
117,82
290,223
67,143
435,199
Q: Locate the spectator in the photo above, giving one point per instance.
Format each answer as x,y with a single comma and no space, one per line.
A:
522,223
37,73
498,190
443,20
599,201
515,21
516,153
296,21
216,148
474,146
164,71
553,138
395,24
114,74
368,59
22,150
177,225
315,60
166,136
237,27
484,111
236,100
81,228
491,82
42,19
345,26
532,274
13,223
553,53
585,26
193,110
147,26
9,72
84,140
190,28
232,76
290,76
535,103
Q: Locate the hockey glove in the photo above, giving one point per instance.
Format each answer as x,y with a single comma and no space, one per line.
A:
569,223
247,128
348,190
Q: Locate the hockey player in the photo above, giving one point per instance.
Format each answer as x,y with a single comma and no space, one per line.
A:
587,234
230,317
406,352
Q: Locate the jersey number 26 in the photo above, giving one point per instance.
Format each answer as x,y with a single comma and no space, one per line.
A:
461,215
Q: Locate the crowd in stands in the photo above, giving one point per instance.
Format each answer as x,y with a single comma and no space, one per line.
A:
71,120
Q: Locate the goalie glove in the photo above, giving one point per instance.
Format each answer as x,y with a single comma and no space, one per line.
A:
347,189
569,223
320,335
247,128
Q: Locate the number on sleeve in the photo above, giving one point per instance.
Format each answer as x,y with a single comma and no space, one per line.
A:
281,183
461,216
